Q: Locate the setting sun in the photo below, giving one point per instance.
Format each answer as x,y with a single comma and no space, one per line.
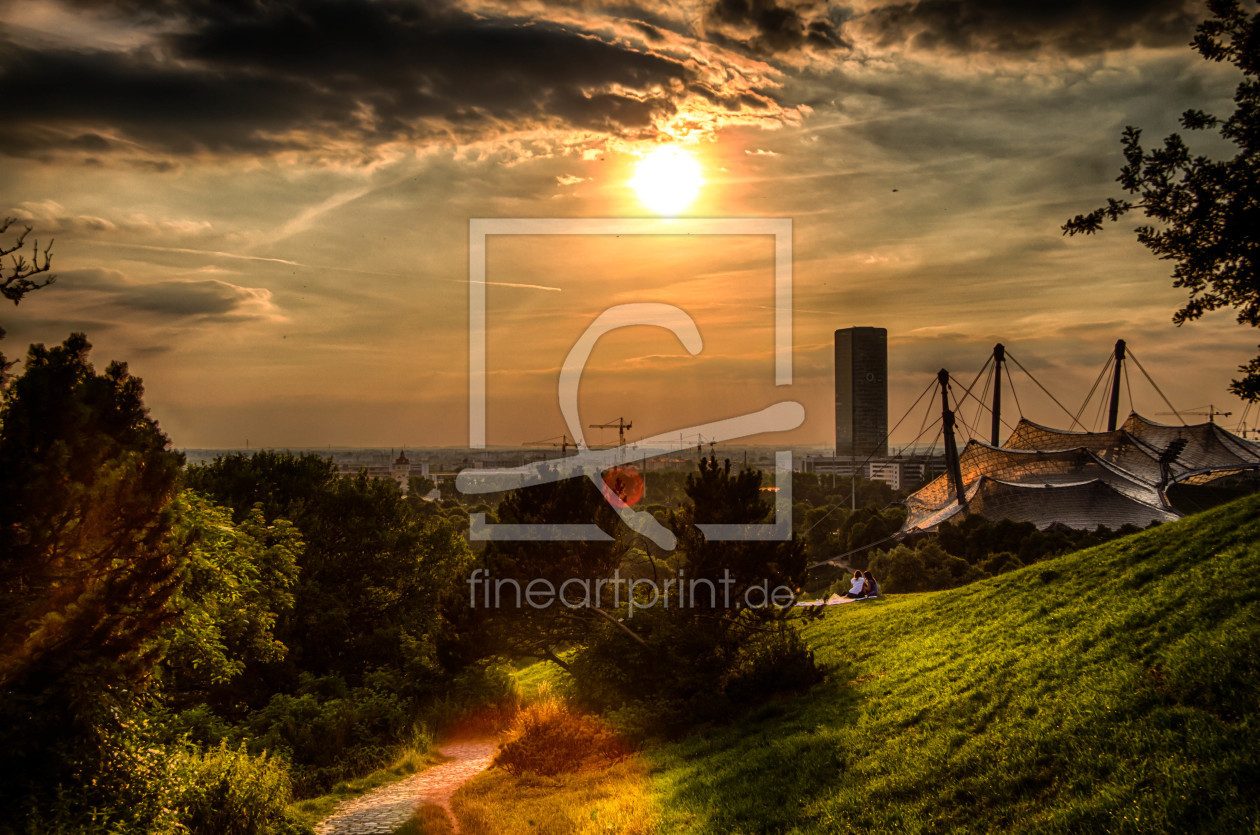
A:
667,180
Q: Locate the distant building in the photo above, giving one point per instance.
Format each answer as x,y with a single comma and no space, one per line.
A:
401,470
375,464
898,471
862,392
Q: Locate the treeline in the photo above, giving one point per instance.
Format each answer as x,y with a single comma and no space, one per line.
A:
184,650
961,553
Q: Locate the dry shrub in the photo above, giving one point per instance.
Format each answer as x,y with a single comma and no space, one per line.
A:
549,737
429,819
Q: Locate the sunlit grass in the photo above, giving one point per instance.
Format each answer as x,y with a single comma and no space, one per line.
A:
615,799
544,676
1115,689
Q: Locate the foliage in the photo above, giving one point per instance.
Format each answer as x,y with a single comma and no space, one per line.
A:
375,631
927,568
972,549
237,581
509,624
87,566
696,660
85,484
229,792
548,737
1205,213
829,531
332,731
719,497
110,776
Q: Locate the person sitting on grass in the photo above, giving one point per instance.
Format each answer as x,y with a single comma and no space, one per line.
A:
855,588
871,588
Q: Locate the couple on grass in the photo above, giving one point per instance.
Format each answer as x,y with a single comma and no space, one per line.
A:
863,585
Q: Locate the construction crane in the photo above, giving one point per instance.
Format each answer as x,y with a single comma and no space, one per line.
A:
564,443
1211,414
621,425
700,442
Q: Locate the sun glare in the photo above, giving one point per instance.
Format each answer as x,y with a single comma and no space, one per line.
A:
667,180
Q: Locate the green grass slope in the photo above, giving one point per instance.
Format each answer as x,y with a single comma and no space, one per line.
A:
1110,690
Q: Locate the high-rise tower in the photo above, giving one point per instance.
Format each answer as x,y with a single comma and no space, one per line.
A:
862,392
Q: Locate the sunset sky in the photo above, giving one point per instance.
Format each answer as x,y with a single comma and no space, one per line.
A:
263,207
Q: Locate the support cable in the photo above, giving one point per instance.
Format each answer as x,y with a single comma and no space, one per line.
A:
1043,388
967,393
1092,389
984,396
891,538
1102,402
1157,389
985,406
1011,381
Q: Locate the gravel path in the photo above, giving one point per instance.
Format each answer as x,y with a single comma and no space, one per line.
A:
385,809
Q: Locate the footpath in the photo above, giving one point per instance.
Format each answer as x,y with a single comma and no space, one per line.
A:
382,811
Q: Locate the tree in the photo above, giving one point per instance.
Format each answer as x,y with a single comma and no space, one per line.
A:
19,276
236,583
509,623
1205,213
378,580
87,566
727,642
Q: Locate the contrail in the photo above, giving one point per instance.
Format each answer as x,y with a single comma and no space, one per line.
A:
236,255
287,263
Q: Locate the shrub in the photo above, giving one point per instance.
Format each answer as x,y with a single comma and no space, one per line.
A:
230,792
777,660
331,735
550,738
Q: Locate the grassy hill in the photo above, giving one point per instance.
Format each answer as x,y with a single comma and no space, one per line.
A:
1114,689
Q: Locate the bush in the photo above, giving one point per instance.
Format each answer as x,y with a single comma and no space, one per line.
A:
336,733
689,671
229,792
775,661
550,738
140,787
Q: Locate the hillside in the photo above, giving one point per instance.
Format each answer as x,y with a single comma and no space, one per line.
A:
1113,689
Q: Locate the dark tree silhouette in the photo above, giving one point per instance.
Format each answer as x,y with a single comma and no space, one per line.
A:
85,480
1205,213
19,276
87,566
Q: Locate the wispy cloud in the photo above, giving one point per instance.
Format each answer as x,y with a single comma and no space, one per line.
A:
322,267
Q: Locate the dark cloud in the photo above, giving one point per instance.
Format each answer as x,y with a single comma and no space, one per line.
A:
270,76
768,26
1071,27
174,298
